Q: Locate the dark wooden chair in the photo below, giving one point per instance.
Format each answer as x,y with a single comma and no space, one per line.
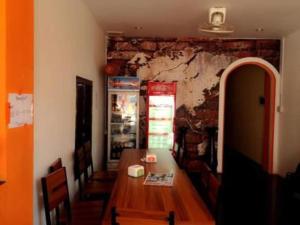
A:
57,164
209,187
102,176
204,173
180,152
213,192
211,153
134,217
89,189
56,200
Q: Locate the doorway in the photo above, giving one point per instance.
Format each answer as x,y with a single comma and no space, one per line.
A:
246,114
243,174
84,102
271,121
249,102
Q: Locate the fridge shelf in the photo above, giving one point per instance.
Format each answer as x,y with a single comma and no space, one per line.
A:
160,106
121,123
123,135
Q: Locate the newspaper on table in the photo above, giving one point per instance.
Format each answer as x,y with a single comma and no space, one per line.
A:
159,179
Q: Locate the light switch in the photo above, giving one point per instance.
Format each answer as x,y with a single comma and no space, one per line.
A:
262,100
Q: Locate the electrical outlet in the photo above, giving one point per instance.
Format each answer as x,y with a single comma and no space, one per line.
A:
262,100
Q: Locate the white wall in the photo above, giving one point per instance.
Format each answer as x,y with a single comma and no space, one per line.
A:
289,152
68,42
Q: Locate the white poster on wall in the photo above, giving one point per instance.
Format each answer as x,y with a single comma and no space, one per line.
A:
21,110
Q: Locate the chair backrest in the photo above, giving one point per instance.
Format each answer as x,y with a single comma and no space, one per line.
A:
213,191
205,173
80,162
80,169
181,150
57,164
137,217
55,194
88,156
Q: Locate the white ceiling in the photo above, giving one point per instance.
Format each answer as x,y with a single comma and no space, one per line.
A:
181,18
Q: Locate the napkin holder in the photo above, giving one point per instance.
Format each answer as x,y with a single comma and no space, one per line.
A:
136,171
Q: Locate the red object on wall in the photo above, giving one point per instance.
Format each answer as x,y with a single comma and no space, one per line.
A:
112,69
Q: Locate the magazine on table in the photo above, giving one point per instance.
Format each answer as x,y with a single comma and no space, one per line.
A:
159,179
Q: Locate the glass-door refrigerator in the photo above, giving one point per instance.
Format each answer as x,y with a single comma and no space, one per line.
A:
123,117
161,98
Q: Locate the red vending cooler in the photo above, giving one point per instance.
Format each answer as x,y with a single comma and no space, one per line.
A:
160,114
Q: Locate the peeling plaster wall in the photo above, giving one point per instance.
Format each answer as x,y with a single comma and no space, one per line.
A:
196,64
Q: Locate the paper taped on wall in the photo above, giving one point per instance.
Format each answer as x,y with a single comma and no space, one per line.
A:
21,110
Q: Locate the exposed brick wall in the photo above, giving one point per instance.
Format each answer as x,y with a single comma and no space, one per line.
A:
125,48
145,57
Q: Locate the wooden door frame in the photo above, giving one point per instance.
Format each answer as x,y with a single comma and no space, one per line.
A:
271,119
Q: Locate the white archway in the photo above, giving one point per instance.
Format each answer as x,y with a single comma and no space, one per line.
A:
271,70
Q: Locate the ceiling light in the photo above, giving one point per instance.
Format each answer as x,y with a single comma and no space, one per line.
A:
217,15
216,22
217,18
260,29
114,33
138,28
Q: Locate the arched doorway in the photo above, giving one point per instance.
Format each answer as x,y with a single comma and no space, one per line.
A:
271,116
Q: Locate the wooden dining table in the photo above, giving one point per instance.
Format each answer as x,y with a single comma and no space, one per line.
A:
182,198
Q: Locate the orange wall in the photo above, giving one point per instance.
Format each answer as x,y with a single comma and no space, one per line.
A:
16,197
2,91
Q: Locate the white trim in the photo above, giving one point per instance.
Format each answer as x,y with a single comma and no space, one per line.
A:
226,73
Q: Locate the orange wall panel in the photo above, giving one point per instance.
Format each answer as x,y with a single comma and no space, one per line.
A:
16,197
2,90
3,174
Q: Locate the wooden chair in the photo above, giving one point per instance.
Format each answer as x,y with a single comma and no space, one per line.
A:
180,153
57,164
213,192
204,173
56,198
56,193
209,187
134,217
89,189
102,176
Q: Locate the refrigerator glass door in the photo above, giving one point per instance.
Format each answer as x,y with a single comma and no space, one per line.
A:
123,122
160,125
